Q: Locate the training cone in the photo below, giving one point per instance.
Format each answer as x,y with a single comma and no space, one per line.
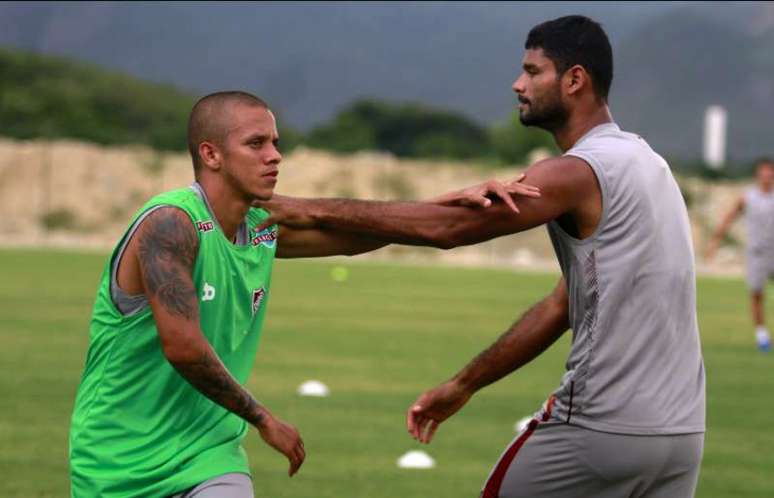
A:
416,459
314,388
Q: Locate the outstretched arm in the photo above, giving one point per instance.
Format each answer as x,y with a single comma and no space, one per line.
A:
166,253
532,334
723,228
565,183
317,242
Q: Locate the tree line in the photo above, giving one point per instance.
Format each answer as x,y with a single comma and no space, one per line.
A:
55,97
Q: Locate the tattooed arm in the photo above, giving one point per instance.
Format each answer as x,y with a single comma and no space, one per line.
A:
167,246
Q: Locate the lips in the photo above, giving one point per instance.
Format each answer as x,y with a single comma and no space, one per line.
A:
272,174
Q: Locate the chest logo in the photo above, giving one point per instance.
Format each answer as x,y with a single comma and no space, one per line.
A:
257,299
266,237
205,226
208,293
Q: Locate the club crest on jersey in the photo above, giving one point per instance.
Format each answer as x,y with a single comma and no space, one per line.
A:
257,299
266,237
208,292
205,226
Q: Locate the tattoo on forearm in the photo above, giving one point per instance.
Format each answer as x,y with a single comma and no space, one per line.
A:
210,377
167,252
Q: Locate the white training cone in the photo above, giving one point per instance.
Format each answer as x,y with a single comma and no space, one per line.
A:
314,388
522,424
416,459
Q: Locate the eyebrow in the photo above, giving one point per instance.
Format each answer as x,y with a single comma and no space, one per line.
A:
529,65
256,137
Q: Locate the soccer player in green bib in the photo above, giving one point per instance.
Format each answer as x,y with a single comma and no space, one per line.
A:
161,410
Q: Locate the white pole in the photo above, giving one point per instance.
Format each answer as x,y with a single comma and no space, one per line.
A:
715,122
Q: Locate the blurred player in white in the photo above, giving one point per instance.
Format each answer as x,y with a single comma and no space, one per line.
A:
757,203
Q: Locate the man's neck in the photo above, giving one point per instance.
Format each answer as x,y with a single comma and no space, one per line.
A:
578,124
227,206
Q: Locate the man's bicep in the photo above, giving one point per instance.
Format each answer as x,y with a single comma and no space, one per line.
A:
563,182
166,253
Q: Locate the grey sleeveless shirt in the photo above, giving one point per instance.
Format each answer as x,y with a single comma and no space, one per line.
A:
635,366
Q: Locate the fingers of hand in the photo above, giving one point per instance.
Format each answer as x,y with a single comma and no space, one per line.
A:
500,191
525,190
296,457
300,456
410,417
516,186
271,220
429,431
480,200
415,420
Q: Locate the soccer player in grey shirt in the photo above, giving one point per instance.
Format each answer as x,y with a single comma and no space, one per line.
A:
758,205
628,417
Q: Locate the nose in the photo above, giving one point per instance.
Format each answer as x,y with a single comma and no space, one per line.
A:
274,157
519,85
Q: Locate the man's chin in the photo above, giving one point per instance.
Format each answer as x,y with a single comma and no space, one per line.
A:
527,120
262,196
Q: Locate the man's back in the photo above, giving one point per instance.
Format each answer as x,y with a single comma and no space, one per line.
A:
635,365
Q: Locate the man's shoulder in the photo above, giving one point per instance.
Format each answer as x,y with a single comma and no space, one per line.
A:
612,141
183,199
175,196
565,174
177,204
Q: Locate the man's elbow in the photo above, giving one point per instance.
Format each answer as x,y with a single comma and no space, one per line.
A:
181,352
557,312
445,237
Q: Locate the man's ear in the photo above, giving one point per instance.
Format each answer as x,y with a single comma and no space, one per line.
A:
576,78
210,155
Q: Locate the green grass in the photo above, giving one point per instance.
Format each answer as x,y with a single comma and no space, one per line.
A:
378,340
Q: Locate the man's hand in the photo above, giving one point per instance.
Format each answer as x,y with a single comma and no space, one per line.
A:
289,211
481,195
283,438
433,407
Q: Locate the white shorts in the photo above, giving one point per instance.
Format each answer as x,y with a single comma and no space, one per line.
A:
233,485
760,268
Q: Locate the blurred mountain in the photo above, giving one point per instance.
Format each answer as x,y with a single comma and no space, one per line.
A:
311,59
683,61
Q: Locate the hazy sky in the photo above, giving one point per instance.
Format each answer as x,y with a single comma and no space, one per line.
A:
309,59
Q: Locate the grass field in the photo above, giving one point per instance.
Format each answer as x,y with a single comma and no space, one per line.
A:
378,340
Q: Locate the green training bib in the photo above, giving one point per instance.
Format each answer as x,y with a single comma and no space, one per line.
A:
138,428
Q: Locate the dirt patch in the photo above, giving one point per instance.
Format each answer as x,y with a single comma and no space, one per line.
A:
75,194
